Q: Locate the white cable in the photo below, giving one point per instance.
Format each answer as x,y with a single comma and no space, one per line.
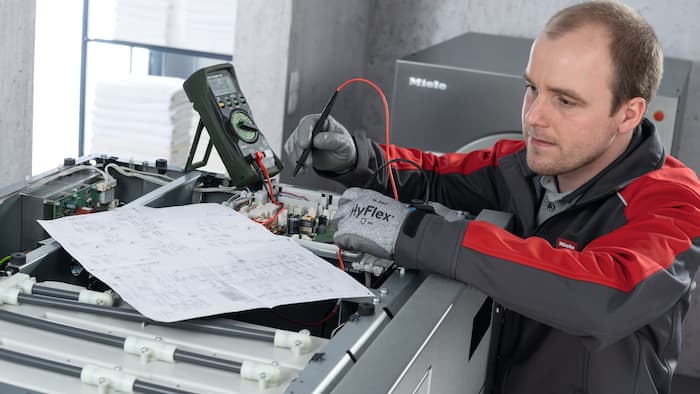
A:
130,172
126,170
161,179
71,170
222,189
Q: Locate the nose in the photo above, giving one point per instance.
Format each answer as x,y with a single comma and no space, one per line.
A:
534,111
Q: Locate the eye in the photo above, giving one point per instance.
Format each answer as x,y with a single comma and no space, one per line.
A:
530,88
565,102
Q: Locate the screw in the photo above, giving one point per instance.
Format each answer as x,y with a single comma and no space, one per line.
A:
76,270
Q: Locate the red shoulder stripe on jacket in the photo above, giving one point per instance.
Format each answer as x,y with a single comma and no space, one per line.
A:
613,266
660,225
455,162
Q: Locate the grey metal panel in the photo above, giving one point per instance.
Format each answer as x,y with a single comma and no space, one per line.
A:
675,79
325,371
9,389
484,91
10,230
476,51
474,105
426,345
176,192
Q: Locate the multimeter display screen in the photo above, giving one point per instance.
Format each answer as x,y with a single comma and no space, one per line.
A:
221,84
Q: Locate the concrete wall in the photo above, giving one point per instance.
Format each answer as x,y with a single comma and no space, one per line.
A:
261,51
328,45
16,89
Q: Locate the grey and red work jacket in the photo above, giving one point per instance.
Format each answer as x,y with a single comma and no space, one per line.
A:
595,294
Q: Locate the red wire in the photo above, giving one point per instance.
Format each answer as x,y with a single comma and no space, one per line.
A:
387,151
312,324
341,263
259,159
387,148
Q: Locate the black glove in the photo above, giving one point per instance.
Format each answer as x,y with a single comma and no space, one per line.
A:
334,150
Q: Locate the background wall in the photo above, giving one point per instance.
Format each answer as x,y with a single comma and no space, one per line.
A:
329,44
262,43
16,84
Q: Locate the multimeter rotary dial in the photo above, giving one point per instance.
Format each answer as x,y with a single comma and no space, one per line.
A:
244,127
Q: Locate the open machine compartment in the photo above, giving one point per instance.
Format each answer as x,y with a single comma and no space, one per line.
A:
420,333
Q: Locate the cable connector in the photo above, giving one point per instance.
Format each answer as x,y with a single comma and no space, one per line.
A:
148,349
107,380
96,298
265,374
9,295
107,184
20,280
12,286
298,342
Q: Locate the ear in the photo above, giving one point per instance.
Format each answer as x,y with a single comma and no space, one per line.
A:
631,114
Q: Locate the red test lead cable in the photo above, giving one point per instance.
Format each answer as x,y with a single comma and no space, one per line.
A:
387,150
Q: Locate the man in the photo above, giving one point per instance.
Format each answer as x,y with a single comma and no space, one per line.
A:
597,274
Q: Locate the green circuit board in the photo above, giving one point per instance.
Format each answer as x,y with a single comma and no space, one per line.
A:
68,203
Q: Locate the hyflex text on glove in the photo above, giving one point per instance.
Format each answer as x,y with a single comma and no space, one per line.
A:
369,222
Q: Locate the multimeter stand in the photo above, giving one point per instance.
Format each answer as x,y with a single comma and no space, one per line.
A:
193,150
225,114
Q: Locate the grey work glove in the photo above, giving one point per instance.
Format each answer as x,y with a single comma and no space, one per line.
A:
369,222
333,148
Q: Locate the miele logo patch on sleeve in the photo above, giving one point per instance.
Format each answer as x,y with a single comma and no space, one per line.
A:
566,244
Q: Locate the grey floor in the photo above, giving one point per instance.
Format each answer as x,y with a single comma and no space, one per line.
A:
685,385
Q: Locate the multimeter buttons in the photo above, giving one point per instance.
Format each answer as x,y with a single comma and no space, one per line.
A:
244,127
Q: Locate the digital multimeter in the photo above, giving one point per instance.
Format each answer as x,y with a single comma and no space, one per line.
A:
226,115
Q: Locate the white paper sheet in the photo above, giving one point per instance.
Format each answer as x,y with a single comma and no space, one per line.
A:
197,260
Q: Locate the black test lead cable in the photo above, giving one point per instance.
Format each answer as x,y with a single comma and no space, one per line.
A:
317,129
324,115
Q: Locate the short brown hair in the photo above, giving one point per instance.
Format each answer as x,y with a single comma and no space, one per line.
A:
634,48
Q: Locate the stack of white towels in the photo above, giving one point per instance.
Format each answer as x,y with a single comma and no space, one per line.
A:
203,25
142,118
146,22
198,25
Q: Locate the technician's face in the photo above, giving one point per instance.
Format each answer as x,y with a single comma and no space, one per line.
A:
566,117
